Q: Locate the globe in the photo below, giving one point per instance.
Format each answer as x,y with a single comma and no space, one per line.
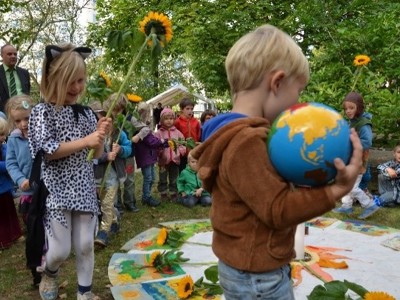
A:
305,139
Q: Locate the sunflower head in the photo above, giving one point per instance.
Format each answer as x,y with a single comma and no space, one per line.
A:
378,296
155,258
106,79
159,24
185,287
361,60
134,98
162,236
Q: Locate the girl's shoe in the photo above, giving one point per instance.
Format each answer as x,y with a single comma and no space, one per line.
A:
48,287
87,296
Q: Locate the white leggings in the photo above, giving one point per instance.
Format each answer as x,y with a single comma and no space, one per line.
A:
357,194
80,233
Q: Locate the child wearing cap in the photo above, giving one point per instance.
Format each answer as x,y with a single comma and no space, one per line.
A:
169,159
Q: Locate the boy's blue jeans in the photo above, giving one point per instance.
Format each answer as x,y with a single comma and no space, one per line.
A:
241,285
148,180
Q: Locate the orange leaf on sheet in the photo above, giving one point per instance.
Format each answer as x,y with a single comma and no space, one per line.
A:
332,264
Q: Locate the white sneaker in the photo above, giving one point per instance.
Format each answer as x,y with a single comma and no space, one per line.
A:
87,296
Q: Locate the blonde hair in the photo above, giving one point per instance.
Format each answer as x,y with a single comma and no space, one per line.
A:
144,112
119,106
4,127
59,73
262,51
19,102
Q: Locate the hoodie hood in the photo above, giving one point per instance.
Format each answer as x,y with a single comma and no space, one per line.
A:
210,152
217,122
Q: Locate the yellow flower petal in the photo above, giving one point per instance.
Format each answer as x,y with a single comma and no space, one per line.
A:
134,98
378,296
361,60
106,79
162,236
185,287
159,22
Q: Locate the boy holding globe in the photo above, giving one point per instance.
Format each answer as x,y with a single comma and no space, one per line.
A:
255,212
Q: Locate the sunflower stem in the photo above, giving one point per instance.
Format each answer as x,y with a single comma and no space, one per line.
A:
123,85
358,73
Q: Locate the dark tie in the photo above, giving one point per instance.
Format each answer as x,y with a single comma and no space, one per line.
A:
13,86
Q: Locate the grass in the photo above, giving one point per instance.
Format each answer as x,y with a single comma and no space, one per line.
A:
15,279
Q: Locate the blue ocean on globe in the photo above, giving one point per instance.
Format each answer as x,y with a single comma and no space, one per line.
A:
304,141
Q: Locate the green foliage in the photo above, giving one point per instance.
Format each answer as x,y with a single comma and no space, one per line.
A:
175,238
336,290
168,260
212,287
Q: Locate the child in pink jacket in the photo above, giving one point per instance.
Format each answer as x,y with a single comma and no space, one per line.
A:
168,159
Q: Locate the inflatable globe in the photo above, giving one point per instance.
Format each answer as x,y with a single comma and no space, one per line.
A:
304,141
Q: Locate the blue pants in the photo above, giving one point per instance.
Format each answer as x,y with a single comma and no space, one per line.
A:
242,285
148,180
192,200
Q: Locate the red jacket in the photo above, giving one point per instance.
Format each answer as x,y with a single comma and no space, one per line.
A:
188,127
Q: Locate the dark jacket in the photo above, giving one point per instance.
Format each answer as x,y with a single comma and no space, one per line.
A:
23,75
146,150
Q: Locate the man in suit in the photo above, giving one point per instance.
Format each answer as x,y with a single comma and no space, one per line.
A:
13,80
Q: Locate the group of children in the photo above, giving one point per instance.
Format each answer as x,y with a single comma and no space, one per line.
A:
254,217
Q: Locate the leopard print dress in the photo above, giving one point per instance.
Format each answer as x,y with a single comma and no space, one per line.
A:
69,180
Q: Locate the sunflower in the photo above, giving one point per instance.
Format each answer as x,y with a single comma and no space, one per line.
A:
171,144
154,258
361,60
134,98
162,236
159,24
185,287
378,296
106,79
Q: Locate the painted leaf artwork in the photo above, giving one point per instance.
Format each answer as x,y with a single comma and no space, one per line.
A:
160,290
365,228
126,268
147,240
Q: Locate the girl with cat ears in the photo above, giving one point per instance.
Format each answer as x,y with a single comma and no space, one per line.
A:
62,132
61,66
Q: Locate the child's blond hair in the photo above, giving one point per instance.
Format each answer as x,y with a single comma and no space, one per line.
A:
19,102
264,50
144,112
120,105
4,127
60,72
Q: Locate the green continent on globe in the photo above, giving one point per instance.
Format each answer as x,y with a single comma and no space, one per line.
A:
295,120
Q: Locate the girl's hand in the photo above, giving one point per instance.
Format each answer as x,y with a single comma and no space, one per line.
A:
95,139
116,148
25,185
111,156
104,125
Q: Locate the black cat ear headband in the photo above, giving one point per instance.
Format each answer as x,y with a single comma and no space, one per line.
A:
53,51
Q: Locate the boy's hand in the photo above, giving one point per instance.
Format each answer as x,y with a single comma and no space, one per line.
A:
198,192
347,175
392,173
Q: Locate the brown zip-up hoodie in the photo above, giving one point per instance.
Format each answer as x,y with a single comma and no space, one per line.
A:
254,211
